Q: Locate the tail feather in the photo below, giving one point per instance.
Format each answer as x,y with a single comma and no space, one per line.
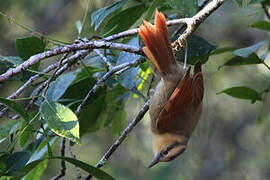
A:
158,47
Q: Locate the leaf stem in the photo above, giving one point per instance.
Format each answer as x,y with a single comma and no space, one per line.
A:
266,65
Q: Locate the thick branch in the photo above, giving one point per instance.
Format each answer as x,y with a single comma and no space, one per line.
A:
66,49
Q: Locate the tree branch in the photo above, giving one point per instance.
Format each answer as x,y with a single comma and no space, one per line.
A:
265,10
79,175
121,67
66,49
63,163
122,137
194,22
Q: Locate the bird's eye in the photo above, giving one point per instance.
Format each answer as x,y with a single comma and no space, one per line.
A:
165,153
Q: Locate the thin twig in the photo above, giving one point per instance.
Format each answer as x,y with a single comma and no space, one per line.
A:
63,163
122,137
54,73
265,10
68,62
266,65
266,90
106,60
79,175
103,79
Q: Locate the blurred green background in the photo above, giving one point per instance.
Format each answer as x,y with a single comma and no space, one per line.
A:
228,142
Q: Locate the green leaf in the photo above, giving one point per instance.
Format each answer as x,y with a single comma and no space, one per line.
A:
239,61
98,16
152,7
99,174
61,120
255,1
112,96
15,61
37,171
262,25
49,149
15,107
266,2
245,52
89,115
7,128
238,2
242,93
187,8
123,20
128,79
29,46
198,49
16,161
26,134
119,121
223,50
60,85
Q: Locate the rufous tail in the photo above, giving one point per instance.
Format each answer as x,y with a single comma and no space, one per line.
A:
158,47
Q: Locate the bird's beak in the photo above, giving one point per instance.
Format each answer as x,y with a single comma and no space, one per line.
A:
155,161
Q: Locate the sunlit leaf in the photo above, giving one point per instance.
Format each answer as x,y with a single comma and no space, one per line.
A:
243,93
61,120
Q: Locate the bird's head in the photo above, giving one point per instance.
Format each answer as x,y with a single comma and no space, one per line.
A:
167,147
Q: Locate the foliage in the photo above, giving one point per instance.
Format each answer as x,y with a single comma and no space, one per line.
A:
54,113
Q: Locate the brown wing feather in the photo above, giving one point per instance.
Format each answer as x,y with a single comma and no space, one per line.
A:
187,97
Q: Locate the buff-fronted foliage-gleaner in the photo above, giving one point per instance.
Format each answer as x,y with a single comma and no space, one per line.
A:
176,105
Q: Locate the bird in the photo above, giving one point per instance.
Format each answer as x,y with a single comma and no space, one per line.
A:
176,104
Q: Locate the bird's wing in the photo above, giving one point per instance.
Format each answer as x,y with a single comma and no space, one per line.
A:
187,96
